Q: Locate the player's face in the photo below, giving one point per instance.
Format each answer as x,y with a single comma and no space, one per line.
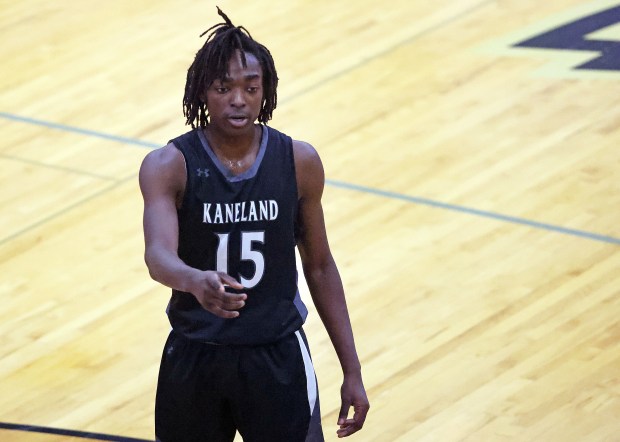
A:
234,103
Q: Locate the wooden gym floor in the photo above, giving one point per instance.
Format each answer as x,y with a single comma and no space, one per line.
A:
472,205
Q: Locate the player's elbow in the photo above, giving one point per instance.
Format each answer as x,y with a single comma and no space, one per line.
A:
151,264
150,267
318,270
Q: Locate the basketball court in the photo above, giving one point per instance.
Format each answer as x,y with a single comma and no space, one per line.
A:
472,205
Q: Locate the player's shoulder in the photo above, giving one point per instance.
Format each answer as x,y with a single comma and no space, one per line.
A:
173,152
163,166
163,157
308,165
305,153
308,168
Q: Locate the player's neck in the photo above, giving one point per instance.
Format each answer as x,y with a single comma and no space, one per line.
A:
233,146
236,153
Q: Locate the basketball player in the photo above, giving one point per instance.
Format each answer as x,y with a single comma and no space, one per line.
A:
225,205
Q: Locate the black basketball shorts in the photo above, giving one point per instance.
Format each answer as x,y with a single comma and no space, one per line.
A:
208,392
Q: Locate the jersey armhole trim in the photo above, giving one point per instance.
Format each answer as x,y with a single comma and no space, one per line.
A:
184,197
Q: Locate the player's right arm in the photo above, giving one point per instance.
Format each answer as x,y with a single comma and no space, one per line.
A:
162,183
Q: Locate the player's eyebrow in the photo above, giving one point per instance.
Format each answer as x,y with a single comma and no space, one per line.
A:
228,79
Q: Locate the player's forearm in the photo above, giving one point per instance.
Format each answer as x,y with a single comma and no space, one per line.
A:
168,269
328,295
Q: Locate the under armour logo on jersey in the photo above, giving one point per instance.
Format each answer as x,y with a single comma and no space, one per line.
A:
202,172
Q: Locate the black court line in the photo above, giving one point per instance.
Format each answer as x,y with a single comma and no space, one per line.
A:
332,183
79,130
57,167
69,433
476,212
64,210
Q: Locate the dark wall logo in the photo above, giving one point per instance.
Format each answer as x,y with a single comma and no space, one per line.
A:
574,37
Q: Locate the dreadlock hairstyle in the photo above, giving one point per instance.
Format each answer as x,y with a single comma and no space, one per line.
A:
211,63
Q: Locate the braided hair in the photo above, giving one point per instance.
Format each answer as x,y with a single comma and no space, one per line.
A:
211,63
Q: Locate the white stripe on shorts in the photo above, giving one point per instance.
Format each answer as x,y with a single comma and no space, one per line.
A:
310,376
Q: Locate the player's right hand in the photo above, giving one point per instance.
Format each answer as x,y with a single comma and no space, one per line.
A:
211,293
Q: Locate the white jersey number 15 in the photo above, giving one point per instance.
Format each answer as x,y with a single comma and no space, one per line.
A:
247,254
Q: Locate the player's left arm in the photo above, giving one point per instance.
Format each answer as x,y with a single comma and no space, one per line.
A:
326,286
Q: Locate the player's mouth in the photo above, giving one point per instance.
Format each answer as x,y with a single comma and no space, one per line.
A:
238,120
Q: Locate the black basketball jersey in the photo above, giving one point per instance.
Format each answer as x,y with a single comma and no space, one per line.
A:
245,226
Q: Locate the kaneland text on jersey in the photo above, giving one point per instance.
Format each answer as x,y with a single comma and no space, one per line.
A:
245,211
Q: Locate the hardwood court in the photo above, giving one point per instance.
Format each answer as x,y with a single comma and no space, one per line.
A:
472,205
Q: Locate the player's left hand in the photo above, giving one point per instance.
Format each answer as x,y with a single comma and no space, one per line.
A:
353,395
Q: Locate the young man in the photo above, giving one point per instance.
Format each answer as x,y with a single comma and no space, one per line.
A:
225,205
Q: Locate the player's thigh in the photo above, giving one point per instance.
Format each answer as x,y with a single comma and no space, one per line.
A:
189,406
278,395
